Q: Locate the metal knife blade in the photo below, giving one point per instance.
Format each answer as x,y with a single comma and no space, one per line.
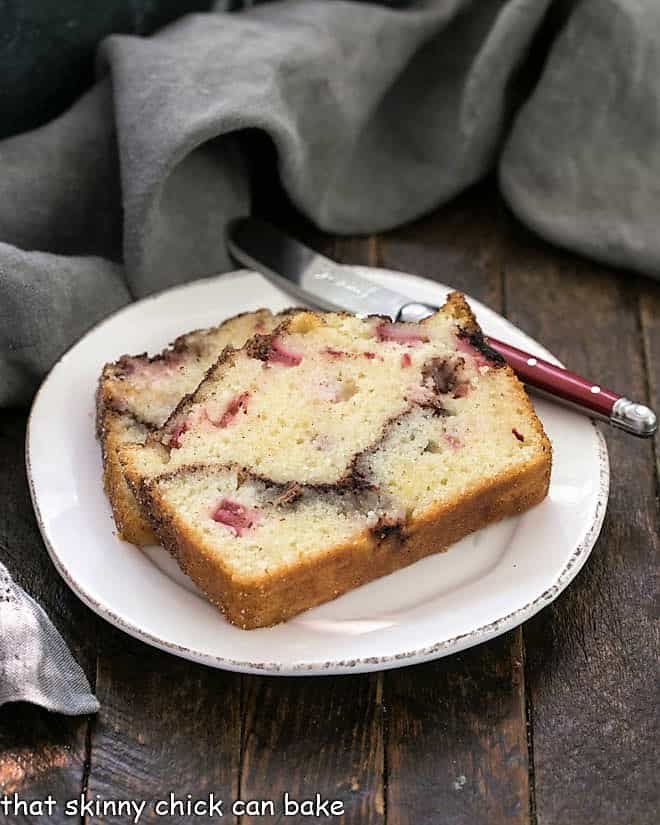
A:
294,267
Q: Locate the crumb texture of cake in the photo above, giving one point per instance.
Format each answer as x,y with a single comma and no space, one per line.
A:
137,394
332,450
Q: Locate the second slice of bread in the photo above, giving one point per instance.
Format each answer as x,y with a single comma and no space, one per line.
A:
137,393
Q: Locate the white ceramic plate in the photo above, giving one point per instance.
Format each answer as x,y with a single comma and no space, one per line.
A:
483,586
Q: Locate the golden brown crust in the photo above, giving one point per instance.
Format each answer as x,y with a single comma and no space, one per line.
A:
275,598
130,523
458,308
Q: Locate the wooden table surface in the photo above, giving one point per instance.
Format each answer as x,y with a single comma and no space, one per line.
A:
554,723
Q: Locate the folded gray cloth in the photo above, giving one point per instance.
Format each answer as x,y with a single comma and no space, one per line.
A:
378,113
35,663
582,164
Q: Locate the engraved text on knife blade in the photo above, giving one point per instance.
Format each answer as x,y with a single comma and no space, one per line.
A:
347,285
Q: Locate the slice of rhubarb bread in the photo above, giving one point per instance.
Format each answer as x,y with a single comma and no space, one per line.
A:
335,450
136,394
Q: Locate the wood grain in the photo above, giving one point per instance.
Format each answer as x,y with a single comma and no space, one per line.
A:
457,742
165,726
40,752
457,750
463,245
308,735
593,653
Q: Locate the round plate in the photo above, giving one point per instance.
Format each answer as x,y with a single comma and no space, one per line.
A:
486,584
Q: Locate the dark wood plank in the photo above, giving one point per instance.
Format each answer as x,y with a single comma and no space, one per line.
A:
317,735
40,752
165,725
309,735
456,733
591,655
463,245
456,746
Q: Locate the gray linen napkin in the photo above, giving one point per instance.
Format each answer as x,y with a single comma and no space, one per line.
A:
35,663
582,163
378,115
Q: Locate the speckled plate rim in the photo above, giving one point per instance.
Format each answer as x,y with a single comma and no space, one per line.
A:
454,644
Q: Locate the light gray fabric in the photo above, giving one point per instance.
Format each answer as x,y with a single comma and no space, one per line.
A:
48,301
35,663
582,164
363,145
378,115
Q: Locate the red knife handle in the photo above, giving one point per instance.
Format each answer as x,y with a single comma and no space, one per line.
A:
576,391
557,381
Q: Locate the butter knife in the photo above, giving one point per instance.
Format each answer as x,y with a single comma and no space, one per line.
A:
324,283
